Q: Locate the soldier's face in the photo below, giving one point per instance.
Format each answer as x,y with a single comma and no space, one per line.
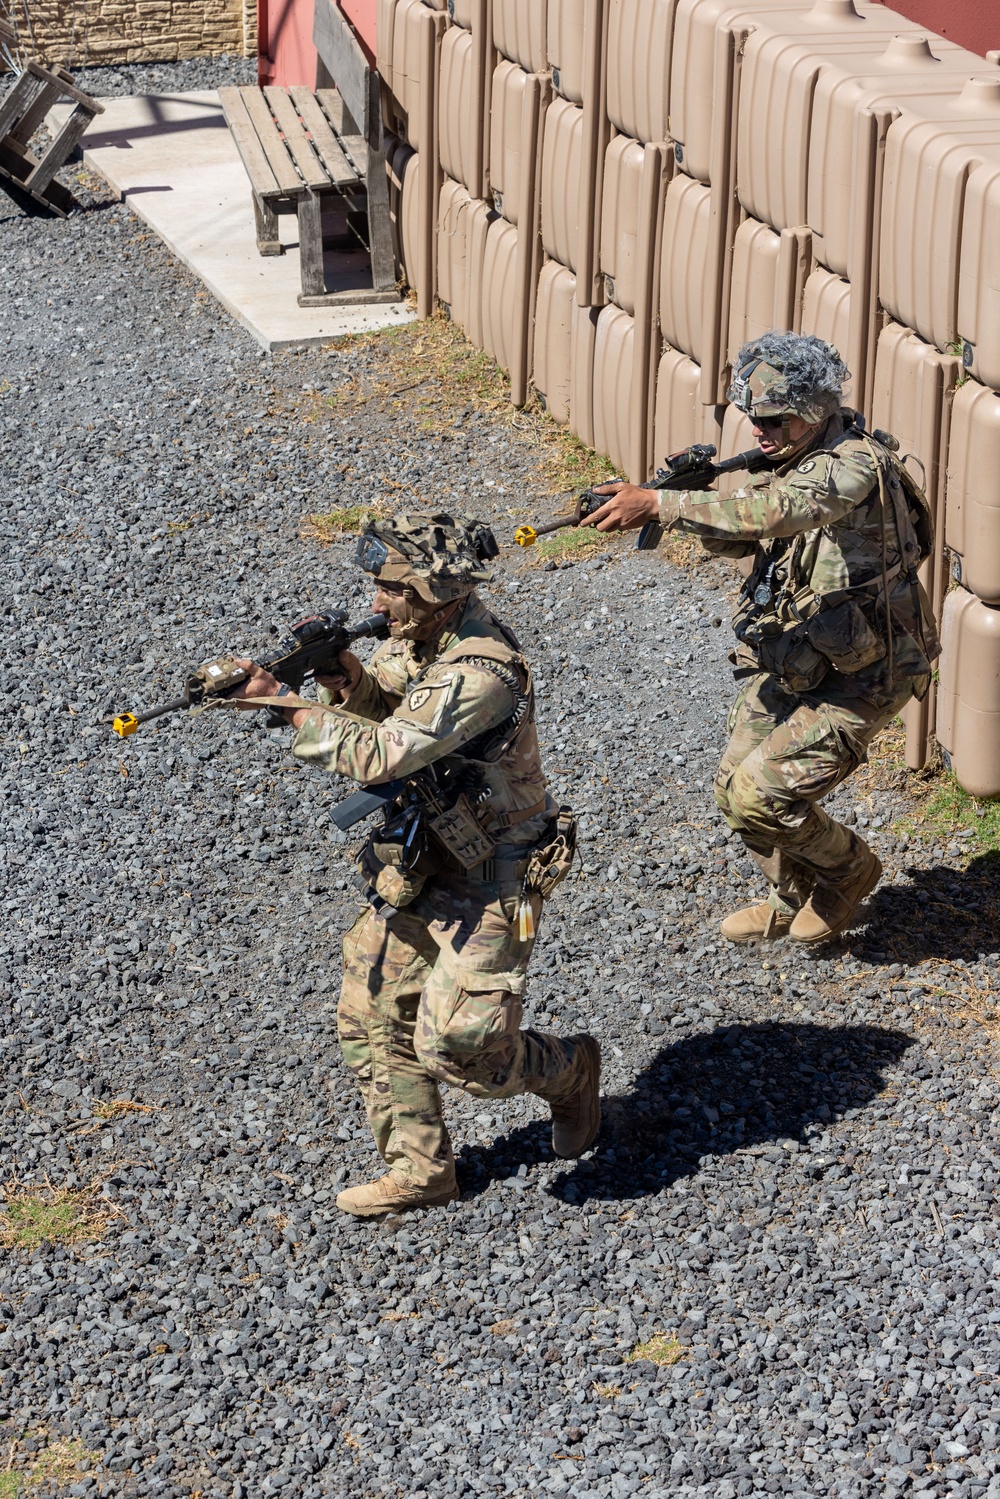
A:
770,434
410,616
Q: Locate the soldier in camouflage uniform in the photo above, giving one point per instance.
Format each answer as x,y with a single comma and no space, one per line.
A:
435,964
834,632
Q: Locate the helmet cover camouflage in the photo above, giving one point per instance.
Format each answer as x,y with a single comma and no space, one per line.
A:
789,374
442,557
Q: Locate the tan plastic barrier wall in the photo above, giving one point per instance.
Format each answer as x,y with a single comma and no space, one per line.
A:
464,99
612,195
972,503
639,44
969,715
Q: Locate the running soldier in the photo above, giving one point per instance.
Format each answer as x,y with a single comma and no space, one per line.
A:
834,631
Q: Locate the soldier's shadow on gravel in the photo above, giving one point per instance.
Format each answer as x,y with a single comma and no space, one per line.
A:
713,1093
941,913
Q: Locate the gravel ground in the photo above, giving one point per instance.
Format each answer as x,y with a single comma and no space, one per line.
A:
797,1176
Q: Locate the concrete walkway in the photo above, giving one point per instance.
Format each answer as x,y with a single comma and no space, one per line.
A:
172,158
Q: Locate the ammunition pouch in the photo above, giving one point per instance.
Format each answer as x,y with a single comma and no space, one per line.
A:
790,655
843,635
461,834
381,866
551,862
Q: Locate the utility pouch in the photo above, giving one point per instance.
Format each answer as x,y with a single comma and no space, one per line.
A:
379,864
844,636
792,657
461,834
549,865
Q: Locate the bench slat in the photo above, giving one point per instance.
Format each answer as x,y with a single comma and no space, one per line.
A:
296,141
355,146
273,146
330,151
258,168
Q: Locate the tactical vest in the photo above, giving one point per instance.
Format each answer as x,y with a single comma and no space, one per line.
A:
799,635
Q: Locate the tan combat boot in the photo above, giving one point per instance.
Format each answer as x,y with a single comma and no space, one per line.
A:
831,908
576,1116
387,1195
755,924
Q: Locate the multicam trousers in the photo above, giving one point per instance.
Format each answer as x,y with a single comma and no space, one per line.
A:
785,754
433,994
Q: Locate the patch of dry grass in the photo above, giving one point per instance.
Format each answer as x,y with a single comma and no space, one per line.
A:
939,809
662,1349
572,544
118,1108
34,1215
607,1391
35,1464
437,370
504,1328
351,520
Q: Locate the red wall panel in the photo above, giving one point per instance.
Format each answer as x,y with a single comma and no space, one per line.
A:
971,23
361,14
286,54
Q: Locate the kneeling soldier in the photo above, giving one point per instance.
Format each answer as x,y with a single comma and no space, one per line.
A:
434,967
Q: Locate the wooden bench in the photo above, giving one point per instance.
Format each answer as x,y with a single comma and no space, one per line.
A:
303,153
30,180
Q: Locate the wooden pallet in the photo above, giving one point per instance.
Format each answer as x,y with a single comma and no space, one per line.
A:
30,179
303,153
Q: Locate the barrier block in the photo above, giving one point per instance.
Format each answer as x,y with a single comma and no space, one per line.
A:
770,271
639,41
634,184
519,103
464,95
520,33
688,225
565,335
979,274
783,61
968,724
463,222
707,44
972,495
568,196
679,417
826,313
575,47
931,151
845,153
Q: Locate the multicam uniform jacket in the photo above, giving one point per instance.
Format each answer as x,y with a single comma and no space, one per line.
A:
828,542
411,709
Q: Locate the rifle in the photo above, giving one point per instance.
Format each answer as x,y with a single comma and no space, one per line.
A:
692,468
443,797
311,648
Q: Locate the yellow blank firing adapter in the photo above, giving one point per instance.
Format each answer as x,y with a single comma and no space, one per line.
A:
525,536
125,724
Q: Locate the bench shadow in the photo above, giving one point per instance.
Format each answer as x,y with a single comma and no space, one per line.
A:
941,913
709,1094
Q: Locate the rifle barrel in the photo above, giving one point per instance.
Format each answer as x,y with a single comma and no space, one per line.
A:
174,706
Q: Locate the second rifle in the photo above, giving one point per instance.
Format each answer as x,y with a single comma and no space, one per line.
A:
692,468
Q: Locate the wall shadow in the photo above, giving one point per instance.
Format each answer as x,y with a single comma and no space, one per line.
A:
942,913
708,1094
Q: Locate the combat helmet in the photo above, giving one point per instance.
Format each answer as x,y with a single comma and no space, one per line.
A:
781,375
441,557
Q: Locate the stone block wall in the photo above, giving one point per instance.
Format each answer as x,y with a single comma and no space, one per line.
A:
80,32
